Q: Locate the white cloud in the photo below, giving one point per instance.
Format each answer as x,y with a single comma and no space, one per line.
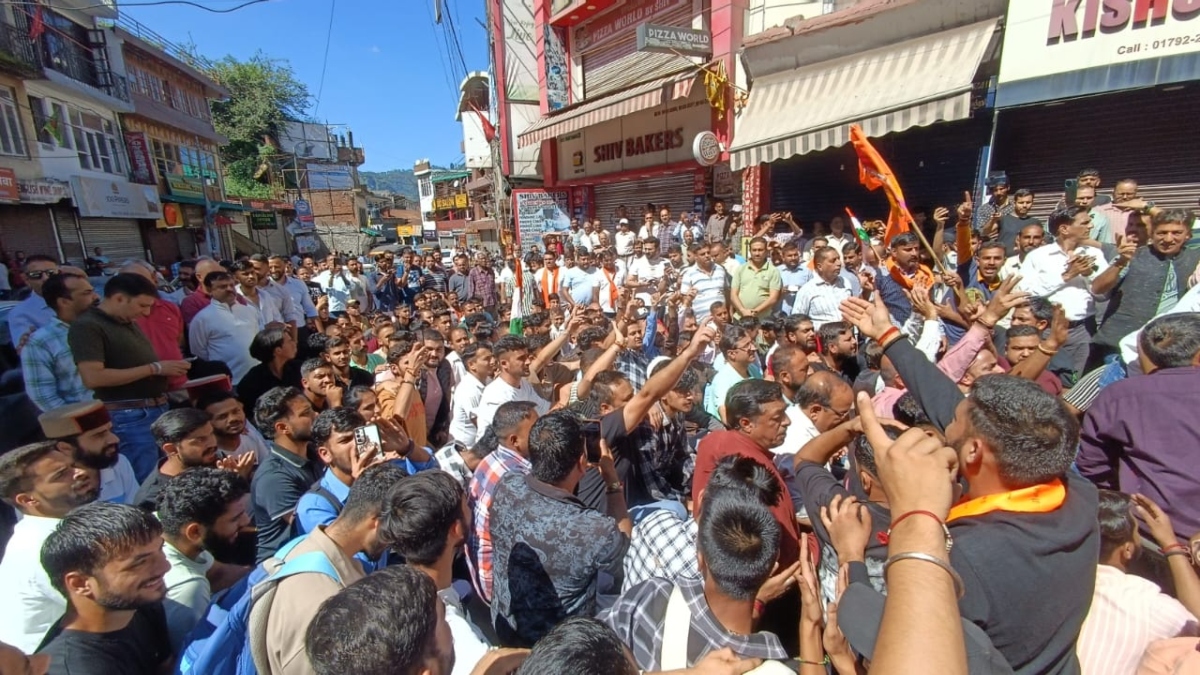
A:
375,49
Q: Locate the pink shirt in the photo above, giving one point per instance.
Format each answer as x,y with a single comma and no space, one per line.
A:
954,364
1127,614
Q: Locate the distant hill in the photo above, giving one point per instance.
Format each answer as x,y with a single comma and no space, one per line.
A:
398,181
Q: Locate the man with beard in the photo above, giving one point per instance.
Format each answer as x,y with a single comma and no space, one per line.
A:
209,539
1030,237
333,437
235,438
511,382
85,432
186,437
284,416
295,289
51,377
42,483
427,521
839,351
107,560
298,597
337,353
273,295
1010,225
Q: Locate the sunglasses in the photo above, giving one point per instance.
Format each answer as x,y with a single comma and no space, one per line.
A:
38,274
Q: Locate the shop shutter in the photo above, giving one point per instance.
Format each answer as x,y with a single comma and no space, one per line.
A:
163,245
67,221
617,64
119,239
1141,134
673,190
934,165
28,228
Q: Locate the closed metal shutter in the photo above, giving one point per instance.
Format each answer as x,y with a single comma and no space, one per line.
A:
1139,134
119,239
67,221
616,64
163,245
28,228
674,190
934,165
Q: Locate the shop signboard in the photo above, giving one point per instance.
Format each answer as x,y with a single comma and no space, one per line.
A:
263,220
674,40
304,212
43,191
307,243
615,23
649,138
520,51
141,164
557,70
114,198
724,183
9,192
329,177
185,186
538,212
1048,38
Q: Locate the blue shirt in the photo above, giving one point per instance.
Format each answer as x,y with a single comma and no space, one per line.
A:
51,378
30,315
793,279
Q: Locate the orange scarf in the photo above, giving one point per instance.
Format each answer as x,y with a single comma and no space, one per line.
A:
1042,498
546,292
924,275
612,288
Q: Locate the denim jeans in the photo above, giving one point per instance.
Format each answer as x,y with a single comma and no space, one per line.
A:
132,427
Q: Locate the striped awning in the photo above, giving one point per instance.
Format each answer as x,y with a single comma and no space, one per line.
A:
913,83
639,97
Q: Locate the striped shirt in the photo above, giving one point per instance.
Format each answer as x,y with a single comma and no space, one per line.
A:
710,287
1127,614
821,300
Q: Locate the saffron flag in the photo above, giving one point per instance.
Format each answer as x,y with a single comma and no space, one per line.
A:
874,173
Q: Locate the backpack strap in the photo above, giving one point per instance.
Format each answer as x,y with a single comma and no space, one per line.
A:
322,492
677,628
263,596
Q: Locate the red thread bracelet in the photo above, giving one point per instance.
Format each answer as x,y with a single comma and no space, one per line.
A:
759,608
919,512
1175,547
888,334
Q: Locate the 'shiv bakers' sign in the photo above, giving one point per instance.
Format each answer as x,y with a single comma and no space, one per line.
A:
1049,37
639,145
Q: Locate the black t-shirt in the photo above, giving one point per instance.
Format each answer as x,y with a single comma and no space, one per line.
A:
591,489
147,494
358,378
140,648
277,487
1010,229
259,381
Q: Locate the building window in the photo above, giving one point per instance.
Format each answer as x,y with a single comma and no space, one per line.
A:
426,187
96,142
12,141
183,160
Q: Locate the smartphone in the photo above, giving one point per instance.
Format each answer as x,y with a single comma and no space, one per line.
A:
591,440
365,437
1070,188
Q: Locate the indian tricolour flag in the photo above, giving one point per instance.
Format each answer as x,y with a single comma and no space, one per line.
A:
516,324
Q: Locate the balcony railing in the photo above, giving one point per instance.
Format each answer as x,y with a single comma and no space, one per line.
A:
16,48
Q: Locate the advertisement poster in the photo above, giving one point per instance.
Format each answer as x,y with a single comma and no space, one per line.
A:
520,51
307,243
557,71
539,212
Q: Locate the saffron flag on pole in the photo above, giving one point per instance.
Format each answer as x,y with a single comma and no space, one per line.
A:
874,173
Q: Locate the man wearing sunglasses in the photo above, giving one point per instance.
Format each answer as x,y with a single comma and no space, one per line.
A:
32,313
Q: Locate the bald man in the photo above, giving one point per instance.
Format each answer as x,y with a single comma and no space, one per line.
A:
819,404
197,301
163,326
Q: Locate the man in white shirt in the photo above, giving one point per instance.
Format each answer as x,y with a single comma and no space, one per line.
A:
821,297
464,408
838,237
1030,237
207,533
706,281
607,282
338,284
512,359
651,228
43,484
1063,273
85,432
646,272
624,241
224,330
296,289
271,292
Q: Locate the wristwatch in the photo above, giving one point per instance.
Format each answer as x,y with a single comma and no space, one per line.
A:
614,487
1146,209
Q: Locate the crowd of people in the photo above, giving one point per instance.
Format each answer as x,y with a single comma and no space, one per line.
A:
957,448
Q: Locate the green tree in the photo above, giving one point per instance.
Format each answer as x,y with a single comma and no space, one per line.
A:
264,95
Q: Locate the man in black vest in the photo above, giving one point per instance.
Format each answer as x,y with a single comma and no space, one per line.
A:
1145,284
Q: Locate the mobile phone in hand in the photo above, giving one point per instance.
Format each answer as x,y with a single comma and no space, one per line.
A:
365,437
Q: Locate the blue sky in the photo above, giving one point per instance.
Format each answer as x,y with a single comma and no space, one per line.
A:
388,76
